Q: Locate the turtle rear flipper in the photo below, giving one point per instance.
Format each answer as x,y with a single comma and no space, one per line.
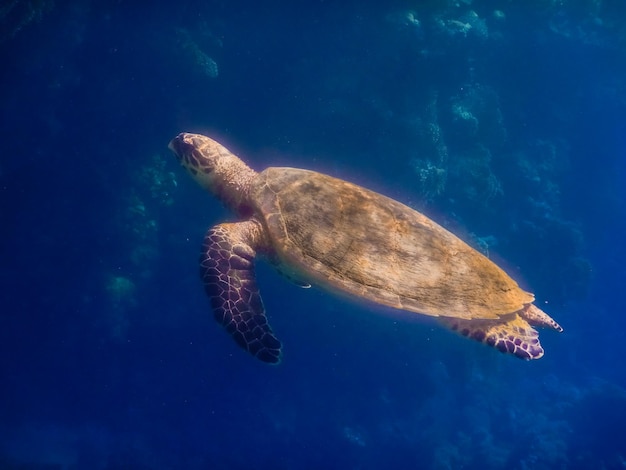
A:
510,334
537,317
227,271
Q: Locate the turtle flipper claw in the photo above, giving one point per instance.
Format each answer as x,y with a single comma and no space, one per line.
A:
227,271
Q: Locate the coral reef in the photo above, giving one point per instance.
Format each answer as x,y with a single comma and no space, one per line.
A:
431,153
200,60
468,24
150,191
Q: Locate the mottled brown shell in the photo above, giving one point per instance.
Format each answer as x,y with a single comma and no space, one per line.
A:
346,238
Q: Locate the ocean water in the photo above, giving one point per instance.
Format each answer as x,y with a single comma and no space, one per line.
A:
503,121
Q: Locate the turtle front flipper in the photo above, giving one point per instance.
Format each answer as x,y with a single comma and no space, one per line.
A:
510,334
227,271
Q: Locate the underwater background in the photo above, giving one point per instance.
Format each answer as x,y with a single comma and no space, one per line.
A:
504,121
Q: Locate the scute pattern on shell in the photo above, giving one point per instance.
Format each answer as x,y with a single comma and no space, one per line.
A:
347,238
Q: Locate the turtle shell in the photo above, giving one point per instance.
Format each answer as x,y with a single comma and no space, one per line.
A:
343,237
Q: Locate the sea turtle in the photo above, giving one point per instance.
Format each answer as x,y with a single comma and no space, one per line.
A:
342,237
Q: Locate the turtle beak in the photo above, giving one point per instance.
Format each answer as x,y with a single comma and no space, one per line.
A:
185,149
177,145
183,146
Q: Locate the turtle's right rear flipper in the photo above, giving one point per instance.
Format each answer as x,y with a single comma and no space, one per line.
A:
227,271
537,317
511,334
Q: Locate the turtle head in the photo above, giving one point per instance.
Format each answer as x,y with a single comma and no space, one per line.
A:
215,168
200,156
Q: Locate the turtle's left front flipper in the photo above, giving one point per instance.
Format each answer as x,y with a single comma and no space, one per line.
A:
227,271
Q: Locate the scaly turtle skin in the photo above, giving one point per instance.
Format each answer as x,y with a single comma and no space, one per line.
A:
345,238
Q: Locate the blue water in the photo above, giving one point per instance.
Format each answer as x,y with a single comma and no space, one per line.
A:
503,121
